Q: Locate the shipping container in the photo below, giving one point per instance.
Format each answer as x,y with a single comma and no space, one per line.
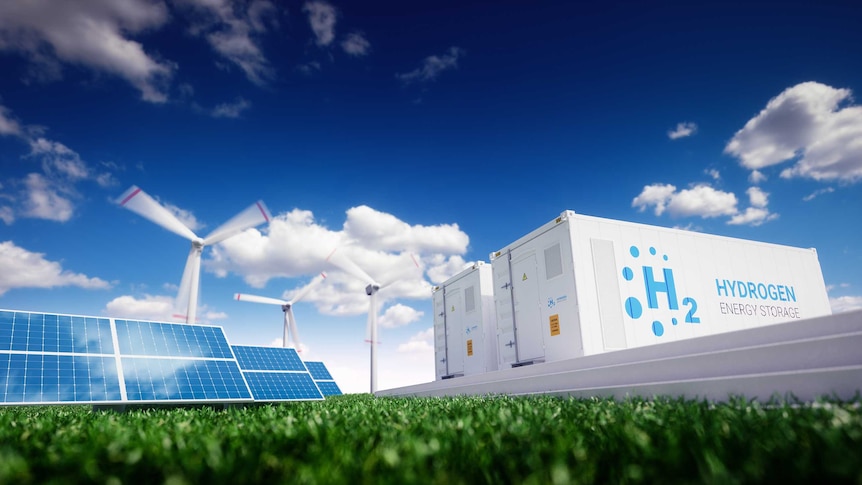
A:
465,328
582,285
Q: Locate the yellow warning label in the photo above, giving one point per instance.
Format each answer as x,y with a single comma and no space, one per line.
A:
555,325
453,308
470,348
524,278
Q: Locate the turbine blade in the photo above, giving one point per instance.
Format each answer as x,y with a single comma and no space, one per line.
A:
258,299
254,215
343,263
304,291
181,306
294,332
408,268
137,201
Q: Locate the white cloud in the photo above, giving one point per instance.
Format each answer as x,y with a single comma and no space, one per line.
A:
309,68
43,200
715,174
757,197
441,268
322,17
804,124
378,230
356,44
811,196
656,195
158,308
433,66
399,315
90,33
421,343
682,130
185,216
756,176
20,268
232,30
8,124
231,110
48,195
296,245
7,215
843,304
753,216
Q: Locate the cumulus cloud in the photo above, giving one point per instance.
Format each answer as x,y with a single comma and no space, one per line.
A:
356,44
715,174
231,110
158,308
399,315
682,130
420,343
384,247
322,17
811,125
441,268
705,201
8,124
43,200
233,30
90,33
843,304
756,176
433,66
20,268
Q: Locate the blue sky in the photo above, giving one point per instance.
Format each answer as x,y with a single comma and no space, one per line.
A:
446,130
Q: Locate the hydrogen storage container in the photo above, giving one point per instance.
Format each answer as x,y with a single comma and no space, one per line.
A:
465,331
582,285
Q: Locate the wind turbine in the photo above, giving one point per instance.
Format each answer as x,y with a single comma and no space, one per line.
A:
137,201
371,290
286,307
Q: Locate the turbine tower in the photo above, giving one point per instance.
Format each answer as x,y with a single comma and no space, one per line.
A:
342,262
287,308
137,201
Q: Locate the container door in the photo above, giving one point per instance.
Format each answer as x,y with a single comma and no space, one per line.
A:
527,314
455,331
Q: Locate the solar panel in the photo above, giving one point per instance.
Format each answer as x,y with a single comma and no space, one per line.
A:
323,379
54,359
276,374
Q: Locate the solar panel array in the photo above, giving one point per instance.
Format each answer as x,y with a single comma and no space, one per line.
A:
276,374
55,359
323,379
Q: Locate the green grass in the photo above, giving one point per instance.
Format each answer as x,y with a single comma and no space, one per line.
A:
359,439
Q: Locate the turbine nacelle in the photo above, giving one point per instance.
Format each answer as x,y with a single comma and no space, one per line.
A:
372,289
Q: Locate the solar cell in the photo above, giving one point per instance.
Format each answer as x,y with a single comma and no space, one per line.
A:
268,358
38,332
171,340
53,378
282,386
328,388
149,379
318,371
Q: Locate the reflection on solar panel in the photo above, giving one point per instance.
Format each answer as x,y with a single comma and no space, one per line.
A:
275,374
323,379
54,359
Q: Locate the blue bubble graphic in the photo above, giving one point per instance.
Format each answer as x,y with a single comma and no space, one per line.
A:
664,257
674,321
633,307
628,274
652,251
634,251
657,328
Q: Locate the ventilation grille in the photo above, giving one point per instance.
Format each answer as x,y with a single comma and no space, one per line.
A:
469,299
553,261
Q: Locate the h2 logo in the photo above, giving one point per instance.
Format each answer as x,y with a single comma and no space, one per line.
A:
654,287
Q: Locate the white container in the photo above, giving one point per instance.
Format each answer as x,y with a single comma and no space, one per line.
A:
465,328
582,285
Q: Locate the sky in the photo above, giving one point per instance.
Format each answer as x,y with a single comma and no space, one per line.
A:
441,130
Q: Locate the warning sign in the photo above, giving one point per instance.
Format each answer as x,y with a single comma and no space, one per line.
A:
470,348
555,325
524,278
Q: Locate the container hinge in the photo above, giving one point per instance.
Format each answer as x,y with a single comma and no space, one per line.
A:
506,286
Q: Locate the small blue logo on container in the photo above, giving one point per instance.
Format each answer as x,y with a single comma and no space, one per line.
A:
655,285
